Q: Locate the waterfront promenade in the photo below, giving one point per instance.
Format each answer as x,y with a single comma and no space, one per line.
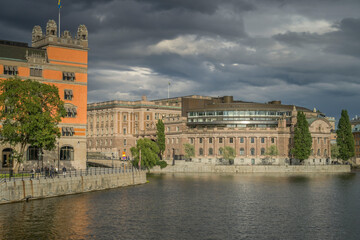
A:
192,167
29,187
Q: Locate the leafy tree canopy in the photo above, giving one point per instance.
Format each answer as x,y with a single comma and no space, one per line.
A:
272,151
189,150
149,153
30,112
345,138
228,153
334,151
302,138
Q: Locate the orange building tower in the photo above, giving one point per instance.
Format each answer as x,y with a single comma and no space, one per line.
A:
61,61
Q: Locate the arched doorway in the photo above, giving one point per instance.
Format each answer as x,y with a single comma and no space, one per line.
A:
7,161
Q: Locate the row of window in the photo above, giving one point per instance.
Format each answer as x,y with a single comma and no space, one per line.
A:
36,72
220,151
66,153
231,140
239,113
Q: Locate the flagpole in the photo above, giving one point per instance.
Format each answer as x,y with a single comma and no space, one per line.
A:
59,23
169,90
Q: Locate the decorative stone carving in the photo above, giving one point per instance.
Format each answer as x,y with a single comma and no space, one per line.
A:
82,33
51,28
37,33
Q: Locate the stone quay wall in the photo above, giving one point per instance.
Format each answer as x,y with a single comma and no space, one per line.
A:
15,191
189,167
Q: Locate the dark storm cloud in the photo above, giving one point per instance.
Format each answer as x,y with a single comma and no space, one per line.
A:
345,40
302,52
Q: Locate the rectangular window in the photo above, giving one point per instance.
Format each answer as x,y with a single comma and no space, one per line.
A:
125,142
36,72
71,112
231,140
67,131
220,140
11,70
262,140
147,117
210,140
252,140
191,140
68,94
241,140
124,118
200,140
272,140
68,76
124,131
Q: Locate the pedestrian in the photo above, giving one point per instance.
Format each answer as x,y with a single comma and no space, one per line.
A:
32,173
37,172
64,171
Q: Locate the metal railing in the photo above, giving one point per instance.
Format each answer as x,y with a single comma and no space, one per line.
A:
52,174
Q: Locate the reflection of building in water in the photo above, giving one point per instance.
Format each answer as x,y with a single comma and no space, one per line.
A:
210,124
60,61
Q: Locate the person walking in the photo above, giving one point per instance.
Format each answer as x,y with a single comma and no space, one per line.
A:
64,171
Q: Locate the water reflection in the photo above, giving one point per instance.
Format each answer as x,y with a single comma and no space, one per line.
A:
198,206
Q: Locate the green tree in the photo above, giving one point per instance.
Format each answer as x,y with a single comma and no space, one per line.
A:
334,151
30,112
149,151
302,138
272,151
189,150
160,137
345,138
228,153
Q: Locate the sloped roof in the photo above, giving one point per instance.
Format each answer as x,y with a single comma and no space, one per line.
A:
18,52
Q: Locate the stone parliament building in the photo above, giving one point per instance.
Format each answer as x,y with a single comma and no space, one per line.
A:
63,62
209,124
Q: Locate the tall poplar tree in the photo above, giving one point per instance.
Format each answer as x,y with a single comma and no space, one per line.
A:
302,138
345,138
160,137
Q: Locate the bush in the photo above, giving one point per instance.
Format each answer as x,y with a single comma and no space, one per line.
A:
162,164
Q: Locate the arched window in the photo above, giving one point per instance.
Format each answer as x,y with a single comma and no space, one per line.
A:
252,151
201,151
210,151
262,151
32,153
67,153
319,152
7,160
242,151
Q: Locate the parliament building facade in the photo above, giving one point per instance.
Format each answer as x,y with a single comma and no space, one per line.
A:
209,124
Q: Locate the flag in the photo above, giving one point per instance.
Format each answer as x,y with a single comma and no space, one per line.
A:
59,3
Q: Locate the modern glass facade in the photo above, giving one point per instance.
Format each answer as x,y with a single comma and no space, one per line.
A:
234,118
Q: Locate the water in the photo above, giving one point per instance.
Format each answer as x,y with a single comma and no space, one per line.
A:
198,206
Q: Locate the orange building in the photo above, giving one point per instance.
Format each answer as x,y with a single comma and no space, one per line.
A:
60,61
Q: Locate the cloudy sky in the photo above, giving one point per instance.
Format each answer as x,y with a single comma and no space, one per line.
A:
301,52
